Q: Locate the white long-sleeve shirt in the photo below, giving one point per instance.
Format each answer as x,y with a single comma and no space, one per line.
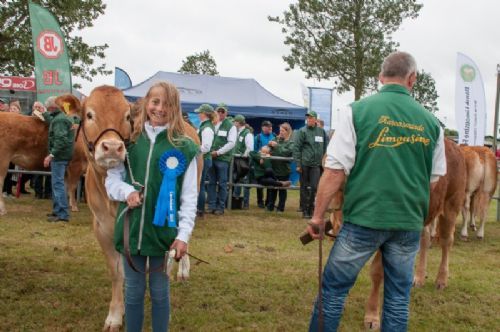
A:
231,139
207,138
341,151
119,190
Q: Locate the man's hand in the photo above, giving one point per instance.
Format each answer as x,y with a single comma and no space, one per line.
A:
315,228
134,199
214,154
46,161
272,143
180,249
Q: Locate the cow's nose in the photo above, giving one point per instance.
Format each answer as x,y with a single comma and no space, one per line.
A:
111,148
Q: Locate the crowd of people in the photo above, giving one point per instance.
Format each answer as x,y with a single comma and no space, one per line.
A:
224,138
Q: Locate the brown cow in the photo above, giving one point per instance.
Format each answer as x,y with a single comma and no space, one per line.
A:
481,185
107,109
446,202
24,142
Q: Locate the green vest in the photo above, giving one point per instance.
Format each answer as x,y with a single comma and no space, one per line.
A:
240,142
203,125
259,169
220,140
388,187
145,238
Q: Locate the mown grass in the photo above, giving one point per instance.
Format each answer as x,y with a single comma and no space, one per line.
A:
53,277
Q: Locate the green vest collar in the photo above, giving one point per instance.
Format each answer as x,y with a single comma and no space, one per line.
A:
395,88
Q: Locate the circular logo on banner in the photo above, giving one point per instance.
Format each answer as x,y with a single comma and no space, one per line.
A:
50,44
468,73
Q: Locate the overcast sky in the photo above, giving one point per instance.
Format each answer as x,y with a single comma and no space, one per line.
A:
147,36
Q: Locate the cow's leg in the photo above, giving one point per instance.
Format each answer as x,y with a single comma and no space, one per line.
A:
446,236
372,308
475,207
116,307
4,166
73,174
183,268
420,271
483,210
433,226
465,216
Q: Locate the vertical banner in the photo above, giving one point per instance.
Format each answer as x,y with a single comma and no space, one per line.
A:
470,102
320,101
122,80
52,69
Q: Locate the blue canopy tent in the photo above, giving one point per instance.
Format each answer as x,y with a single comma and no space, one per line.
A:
242,96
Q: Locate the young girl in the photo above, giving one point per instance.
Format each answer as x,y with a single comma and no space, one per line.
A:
262,168
159,146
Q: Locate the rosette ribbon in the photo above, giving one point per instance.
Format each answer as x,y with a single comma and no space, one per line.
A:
172,164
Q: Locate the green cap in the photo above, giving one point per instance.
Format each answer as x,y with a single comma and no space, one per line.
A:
313,114
204,108
239,118
222,106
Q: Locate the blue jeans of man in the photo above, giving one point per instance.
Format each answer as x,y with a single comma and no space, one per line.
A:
59,195
352,248
135,288
207,164
217,185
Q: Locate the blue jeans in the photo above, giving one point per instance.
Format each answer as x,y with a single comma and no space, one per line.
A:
217,176
59,195
352,248
207,164
135,288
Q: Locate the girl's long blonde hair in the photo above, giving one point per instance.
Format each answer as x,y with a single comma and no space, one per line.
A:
288,130
174,115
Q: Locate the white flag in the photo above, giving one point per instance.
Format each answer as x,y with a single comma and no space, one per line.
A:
470,103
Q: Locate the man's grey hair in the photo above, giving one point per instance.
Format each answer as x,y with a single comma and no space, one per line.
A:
398,64
51,103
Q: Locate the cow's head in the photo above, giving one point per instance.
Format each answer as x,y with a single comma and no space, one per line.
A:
106,125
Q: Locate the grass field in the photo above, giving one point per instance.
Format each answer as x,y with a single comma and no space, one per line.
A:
53,277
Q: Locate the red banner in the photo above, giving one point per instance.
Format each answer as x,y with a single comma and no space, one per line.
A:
17,83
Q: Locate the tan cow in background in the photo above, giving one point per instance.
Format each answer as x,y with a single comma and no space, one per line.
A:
106,108
24,142
481,185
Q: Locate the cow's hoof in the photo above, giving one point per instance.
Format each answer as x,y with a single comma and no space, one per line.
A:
473,227
111,328
75,209
464,238
372,324
440,285
480,237
418,282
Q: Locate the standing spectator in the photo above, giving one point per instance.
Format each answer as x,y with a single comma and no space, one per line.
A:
244,145
4,107
386,196
41,183
266,135
321,123
222,152
15,107
282,146
206,134
310,146
61,139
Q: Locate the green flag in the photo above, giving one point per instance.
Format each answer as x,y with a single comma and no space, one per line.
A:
52,69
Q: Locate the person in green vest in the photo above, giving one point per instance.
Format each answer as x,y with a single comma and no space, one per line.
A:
222,152
388,150
310,146
244,145
142,189
206,134
281,146
263,169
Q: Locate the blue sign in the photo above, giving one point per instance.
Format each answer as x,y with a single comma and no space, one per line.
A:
320,101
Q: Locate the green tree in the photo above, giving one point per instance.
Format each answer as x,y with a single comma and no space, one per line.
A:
16,48
343,39
424,91
199,63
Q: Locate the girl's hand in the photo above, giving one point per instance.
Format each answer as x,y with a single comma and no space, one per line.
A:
134,200
180,249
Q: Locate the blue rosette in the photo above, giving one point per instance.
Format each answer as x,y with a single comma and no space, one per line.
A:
172,164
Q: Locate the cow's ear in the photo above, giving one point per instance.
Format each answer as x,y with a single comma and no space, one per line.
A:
70,105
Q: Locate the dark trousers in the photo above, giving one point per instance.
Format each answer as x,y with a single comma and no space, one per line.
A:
42,186
274,193
260,197
7,182
309,179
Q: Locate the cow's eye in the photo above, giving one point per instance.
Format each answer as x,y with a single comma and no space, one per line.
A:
89,115
128,118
